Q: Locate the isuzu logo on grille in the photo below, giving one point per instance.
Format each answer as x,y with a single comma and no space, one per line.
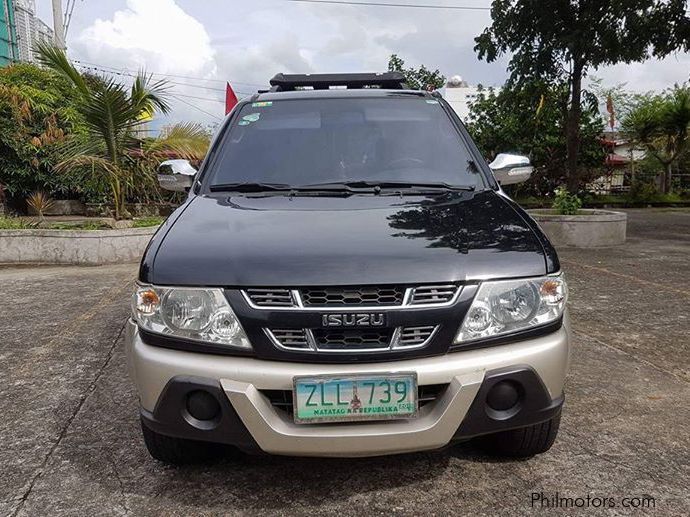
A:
353,320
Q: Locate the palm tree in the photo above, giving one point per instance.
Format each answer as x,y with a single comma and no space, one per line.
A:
111,112
661,123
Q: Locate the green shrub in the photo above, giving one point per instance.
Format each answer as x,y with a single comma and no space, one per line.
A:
566,203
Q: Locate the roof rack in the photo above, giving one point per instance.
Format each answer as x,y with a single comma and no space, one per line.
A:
291,82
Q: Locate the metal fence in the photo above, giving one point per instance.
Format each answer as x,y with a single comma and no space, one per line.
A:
619,181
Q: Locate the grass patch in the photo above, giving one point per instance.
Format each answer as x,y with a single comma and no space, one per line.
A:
145,222
19,223
15,223
78,226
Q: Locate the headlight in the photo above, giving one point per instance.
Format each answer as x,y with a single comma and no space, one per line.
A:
511,305
188,312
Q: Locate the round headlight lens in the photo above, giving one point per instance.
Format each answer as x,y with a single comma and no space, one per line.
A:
515,305
224,325
478,319
187,309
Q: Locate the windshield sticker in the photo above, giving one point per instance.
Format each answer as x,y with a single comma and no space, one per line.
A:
252,117
264,104
243,123
431,101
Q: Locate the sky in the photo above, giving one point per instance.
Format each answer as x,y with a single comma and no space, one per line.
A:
200,44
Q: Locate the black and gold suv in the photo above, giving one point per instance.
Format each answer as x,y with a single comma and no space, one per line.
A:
347,278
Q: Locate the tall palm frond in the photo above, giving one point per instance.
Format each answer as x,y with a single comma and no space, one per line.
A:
56,59
187,140
148,96
84,161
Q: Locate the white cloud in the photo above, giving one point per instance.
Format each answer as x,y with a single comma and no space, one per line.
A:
653,74
158,36
150,32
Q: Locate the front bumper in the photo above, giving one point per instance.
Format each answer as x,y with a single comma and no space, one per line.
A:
164,377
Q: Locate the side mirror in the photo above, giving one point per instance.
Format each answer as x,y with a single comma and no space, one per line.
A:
511,168
176,175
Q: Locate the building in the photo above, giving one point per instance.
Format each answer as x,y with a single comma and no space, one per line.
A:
25,16
44,33
459,95
30,29
8,33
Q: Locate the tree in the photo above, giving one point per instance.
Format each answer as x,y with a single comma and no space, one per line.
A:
661,123
417,78
558,40
529,120
37,110
110,113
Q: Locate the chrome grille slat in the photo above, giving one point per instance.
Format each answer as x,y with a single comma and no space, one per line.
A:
414,336
294,339
429,294
271,297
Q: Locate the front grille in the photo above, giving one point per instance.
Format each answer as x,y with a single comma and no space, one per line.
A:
282,399
352,339
352,296
414,336
370,296
429,294
270,297
333,340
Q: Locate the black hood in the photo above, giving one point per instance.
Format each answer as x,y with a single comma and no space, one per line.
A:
276,240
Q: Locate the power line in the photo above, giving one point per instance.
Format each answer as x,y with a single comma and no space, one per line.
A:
387,4
198,108
382,4
127,74
174,75
115,71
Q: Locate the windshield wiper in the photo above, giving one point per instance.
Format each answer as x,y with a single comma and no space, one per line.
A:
250,187
379,185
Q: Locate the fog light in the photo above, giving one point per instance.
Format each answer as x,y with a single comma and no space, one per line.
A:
202,405
504,395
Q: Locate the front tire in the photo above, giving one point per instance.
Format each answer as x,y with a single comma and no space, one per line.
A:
177,451
523,442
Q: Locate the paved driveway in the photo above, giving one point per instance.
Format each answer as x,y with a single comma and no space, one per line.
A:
71,443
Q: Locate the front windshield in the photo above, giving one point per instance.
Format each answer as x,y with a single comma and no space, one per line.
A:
299,142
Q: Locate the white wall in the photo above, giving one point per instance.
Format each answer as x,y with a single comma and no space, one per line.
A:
460,98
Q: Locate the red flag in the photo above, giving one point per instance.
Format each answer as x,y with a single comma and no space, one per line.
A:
230,98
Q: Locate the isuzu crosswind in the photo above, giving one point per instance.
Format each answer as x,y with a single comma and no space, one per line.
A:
347,278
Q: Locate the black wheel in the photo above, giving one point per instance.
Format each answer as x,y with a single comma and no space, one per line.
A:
524,441
178,451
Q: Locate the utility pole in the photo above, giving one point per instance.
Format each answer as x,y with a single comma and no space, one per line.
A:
59,25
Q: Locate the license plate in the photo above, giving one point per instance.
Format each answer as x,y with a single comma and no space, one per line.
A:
350,398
